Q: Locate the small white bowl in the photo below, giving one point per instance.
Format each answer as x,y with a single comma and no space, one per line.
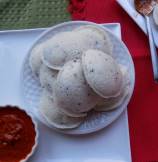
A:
35,127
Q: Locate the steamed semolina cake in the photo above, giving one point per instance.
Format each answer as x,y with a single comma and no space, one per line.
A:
35,60
102,73
72,92
50,111
47,78
96,38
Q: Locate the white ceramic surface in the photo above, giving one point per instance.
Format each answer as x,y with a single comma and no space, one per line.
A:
31,89
55,147
128,6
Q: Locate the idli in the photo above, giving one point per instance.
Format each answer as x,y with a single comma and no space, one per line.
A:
54,116
72,93
47,78
102,73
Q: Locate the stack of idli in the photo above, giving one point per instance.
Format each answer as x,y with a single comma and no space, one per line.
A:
78,74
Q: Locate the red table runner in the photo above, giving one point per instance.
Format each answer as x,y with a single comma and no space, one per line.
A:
143,108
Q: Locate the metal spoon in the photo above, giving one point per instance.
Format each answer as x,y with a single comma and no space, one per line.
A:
145,7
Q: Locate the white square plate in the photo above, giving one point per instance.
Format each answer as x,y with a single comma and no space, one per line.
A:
109,145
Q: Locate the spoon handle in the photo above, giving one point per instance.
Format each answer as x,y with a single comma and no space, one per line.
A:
154,57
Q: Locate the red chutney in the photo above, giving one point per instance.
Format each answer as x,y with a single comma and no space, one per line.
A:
17,134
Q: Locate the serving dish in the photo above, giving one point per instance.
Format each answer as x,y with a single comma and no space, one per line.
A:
114,139
31,89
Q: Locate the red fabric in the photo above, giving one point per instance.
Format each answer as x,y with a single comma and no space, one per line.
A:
143,108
